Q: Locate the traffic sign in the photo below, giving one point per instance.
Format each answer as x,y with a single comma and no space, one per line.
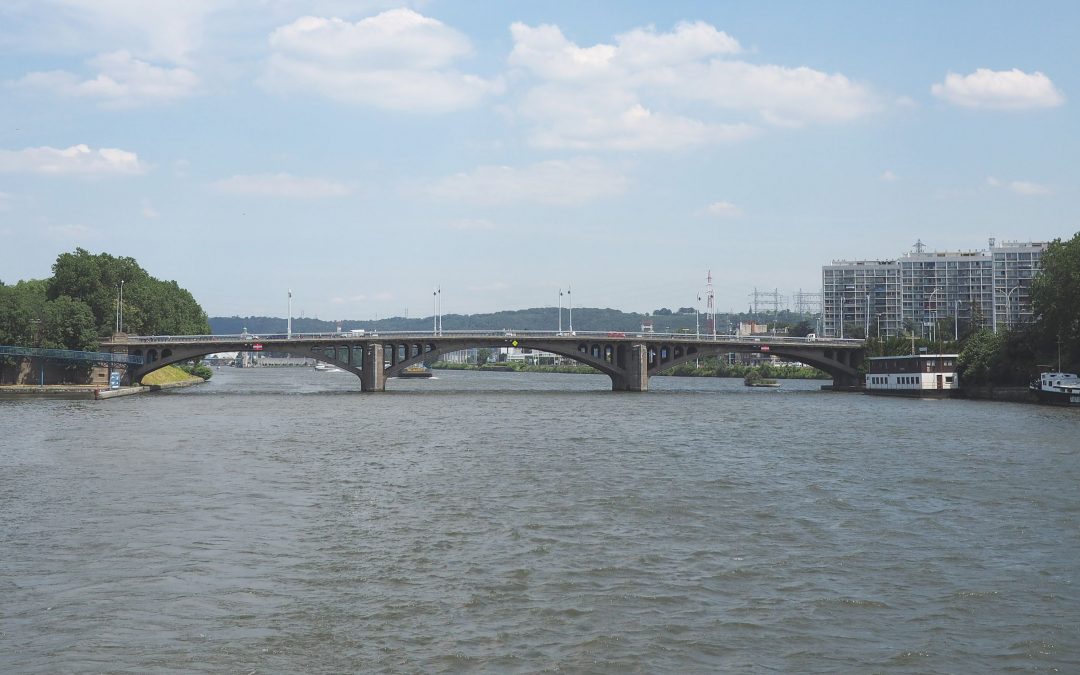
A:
257,346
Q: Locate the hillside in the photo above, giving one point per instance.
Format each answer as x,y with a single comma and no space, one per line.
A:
540,318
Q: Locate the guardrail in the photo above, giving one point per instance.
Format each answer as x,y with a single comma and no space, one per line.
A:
409,335
71,355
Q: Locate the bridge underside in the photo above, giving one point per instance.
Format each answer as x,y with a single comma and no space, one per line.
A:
628,362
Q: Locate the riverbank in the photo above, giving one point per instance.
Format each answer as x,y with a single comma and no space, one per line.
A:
169,377
991,393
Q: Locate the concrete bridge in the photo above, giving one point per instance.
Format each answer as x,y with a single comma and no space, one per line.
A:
629,359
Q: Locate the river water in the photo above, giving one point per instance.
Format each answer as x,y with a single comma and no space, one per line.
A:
276,520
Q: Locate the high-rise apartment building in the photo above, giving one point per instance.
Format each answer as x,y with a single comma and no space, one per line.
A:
918,291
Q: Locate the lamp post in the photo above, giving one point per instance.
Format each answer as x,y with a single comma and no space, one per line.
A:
956,322
866,325
933,314
1008,306
121,319
288,325
697,315
570,301
561,311
435,312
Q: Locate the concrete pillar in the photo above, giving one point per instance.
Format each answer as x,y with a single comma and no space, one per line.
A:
373,374
635,377
119,348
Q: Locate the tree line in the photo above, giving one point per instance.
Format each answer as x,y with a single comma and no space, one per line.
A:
77,306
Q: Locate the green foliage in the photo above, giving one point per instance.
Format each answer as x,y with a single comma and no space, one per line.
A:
1002,358
979,357
198,370
29,318
1056,298
151,306
712,367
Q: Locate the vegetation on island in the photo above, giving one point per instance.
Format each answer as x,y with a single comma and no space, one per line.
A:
172,374
78,305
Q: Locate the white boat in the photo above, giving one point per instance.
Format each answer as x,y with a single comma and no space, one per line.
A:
918,375
1056,387
321,367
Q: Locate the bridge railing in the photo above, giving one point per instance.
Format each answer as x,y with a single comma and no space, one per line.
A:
70,355
468,334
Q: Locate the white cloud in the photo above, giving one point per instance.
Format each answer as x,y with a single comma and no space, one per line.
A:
723,210
281,185
888,176
71,233
163,30
1020,187
78,159
613,119
468,225
149,211
397,60
652,90
1003,89
1029,189
122,82
563,183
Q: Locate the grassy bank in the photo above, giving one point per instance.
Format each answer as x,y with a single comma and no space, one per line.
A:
168,375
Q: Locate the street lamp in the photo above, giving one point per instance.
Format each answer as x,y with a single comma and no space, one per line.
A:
561,311
570,301
697,314
933,314
1008,305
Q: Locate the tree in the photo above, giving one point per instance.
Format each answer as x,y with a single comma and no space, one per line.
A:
151,306
801,329
1056,297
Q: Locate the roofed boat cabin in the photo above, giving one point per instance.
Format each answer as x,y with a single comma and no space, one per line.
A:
925,375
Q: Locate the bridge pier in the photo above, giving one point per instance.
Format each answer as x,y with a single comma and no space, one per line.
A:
373,373
635,374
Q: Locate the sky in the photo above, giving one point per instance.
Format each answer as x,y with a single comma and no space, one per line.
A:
363,153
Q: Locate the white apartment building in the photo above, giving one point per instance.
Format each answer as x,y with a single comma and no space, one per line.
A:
921,289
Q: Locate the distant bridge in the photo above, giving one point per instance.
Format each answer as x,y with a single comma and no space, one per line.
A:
629,359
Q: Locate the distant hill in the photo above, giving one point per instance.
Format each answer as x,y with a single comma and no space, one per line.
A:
540,318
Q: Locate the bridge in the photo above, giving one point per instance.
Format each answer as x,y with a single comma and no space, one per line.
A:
629,359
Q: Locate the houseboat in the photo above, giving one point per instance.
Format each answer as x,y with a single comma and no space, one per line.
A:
920,375
1059,388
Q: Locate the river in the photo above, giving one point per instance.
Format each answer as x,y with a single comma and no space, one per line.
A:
279,521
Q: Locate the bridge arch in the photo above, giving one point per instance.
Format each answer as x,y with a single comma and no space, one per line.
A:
628,361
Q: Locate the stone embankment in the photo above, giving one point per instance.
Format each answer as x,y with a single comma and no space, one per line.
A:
990,393
89,392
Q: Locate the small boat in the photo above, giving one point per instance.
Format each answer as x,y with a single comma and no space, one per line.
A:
321,367
1057,388
415,372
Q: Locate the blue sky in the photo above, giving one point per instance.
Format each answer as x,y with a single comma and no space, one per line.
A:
361,153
